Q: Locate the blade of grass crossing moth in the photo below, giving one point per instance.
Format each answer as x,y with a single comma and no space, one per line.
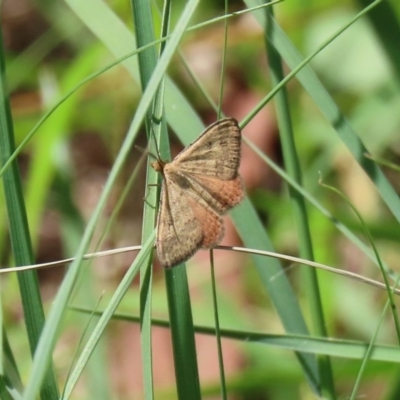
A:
182,331
212,271
144,29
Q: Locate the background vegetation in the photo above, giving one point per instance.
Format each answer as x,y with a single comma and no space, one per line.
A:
121,327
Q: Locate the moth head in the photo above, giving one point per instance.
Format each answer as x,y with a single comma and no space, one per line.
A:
158,166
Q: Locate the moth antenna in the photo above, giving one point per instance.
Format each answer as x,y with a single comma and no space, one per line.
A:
156,144
146,152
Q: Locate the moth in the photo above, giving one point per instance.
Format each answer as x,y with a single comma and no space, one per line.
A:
200,185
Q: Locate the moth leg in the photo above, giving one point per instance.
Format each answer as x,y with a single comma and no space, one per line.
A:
150,185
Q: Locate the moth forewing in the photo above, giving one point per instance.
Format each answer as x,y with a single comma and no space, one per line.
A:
179,233
215,153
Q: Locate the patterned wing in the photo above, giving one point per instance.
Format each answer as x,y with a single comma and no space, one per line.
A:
179,233
211,223
215,153
185,224
220,195
200,185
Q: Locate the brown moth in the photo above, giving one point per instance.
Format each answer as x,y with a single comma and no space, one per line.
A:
200,185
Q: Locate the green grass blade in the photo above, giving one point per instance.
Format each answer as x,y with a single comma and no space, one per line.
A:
343,348
292,165
10,368
182,330
19,233
4,393
143,25
385,21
